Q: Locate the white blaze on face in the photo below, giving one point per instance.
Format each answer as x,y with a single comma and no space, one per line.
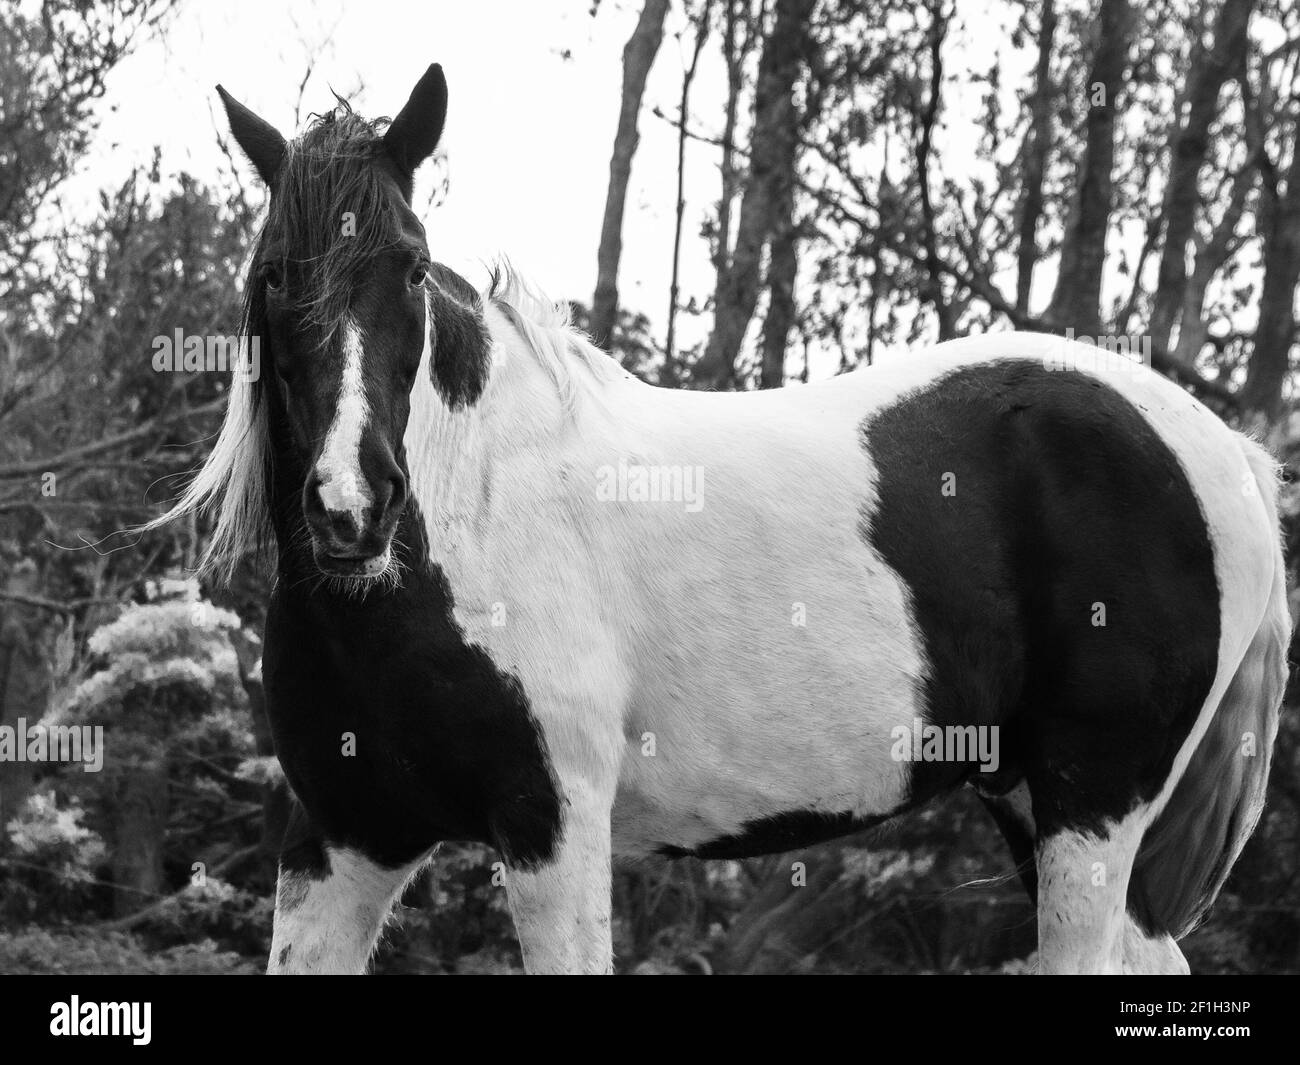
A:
343,488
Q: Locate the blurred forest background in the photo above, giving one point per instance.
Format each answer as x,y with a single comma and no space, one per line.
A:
1146,182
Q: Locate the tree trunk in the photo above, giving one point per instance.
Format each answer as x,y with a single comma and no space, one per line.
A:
24,680
1208,70
1038,143
638,56
774,139
782,271
1192,328
1076,300
668,378
140,830
733,55
1276,332
932,289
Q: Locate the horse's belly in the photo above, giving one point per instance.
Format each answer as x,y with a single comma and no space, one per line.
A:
765,718
739,774
721,816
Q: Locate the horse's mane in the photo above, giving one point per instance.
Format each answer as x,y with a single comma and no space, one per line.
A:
233,481
546,326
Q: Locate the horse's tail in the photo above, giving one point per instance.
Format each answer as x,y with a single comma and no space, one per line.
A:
1190,848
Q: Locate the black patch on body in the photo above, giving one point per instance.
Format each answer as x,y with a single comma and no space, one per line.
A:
780,833
1065,497
447,747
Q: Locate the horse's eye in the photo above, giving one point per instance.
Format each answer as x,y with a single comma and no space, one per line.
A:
272,276
419,275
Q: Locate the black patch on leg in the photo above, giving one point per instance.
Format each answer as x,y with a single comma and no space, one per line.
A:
303,849
1020,842
1065,497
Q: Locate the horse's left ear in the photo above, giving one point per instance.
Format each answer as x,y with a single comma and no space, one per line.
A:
415,132
260,140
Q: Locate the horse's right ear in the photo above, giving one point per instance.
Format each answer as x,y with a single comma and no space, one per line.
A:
416,130
260,140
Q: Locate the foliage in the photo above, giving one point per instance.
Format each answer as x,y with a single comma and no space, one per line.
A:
37,951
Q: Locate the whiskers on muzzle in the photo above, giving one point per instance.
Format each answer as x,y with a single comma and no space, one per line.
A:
388,578
386,575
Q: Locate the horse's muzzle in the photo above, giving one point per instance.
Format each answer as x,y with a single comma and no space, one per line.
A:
355,540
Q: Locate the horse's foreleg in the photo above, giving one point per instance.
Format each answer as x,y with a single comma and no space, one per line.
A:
330,906
561,906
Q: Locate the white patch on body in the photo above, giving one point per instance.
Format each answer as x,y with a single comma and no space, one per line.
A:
343,487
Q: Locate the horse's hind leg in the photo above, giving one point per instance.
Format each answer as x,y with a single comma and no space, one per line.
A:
1140,952
1151,954
1084,927
1083,877
330,904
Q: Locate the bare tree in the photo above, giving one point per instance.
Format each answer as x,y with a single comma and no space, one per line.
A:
774,141
638,57
1038,143
1276,333
669,375
1207,72
734,50
782,270
1077,298
933,290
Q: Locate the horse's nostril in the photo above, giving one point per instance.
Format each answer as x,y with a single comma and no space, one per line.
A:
390,498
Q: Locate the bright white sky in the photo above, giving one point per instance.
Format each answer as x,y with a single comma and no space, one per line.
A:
534,99
529,133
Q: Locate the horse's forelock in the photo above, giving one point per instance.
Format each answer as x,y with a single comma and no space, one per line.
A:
332,211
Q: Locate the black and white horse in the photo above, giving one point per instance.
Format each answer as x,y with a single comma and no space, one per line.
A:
525,599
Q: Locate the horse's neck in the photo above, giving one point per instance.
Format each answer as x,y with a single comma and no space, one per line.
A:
469,466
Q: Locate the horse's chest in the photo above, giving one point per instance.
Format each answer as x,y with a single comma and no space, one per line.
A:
395,735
